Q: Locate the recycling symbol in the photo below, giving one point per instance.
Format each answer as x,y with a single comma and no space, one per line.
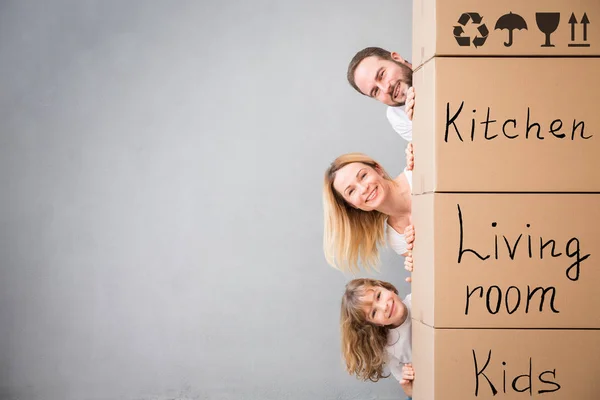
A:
464,40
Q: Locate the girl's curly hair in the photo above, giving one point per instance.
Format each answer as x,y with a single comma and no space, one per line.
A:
363,343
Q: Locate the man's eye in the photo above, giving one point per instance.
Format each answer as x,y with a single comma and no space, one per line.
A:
378,295
381,74
373,314
375,92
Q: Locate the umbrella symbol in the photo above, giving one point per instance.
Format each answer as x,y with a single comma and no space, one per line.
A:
511,22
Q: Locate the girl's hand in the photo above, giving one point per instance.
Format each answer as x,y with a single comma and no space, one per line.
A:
408,375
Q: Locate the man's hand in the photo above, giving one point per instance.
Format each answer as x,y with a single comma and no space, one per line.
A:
409,104
410,157
408,375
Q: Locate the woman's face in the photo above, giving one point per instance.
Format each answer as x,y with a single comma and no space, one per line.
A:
383,307
360,185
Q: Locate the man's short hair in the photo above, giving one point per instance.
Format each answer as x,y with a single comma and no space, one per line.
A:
361,55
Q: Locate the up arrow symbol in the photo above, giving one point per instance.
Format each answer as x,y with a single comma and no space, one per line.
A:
573,21
585,21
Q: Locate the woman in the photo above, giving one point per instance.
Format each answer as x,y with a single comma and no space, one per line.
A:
363,209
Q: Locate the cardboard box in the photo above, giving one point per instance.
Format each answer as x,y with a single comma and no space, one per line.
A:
483,28
507,260
465,364
484,125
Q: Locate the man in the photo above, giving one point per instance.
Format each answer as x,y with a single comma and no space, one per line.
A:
386,77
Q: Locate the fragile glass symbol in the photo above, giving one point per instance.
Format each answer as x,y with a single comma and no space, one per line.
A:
547,22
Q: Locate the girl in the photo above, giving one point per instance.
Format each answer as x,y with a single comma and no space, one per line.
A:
376,331
363,209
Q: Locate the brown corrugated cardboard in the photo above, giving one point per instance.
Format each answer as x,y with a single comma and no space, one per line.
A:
495,260
453,364
510,27
484,125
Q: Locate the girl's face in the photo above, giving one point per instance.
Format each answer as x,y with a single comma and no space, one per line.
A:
360,185
383,307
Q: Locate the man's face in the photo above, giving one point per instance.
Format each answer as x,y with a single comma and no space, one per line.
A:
384,80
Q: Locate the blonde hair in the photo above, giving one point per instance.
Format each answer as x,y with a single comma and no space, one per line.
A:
363,343
350,235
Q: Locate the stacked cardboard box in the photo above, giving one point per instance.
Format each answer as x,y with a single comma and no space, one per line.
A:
506,205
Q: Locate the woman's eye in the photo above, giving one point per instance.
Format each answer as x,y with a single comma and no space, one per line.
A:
378,295
381,74
351,191
373,314
363,176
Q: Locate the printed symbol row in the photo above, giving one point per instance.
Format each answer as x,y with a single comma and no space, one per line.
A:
547,22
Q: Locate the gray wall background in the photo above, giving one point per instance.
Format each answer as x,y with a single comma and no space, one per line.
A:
161,222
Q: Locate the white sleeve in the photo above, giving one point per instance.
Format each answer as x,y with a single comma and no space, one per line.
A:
396,241
400,122
408,175
395,367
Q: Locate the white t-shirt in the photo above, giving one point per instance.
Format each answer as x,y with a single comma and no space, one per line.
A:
400,122
394,239
399,345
